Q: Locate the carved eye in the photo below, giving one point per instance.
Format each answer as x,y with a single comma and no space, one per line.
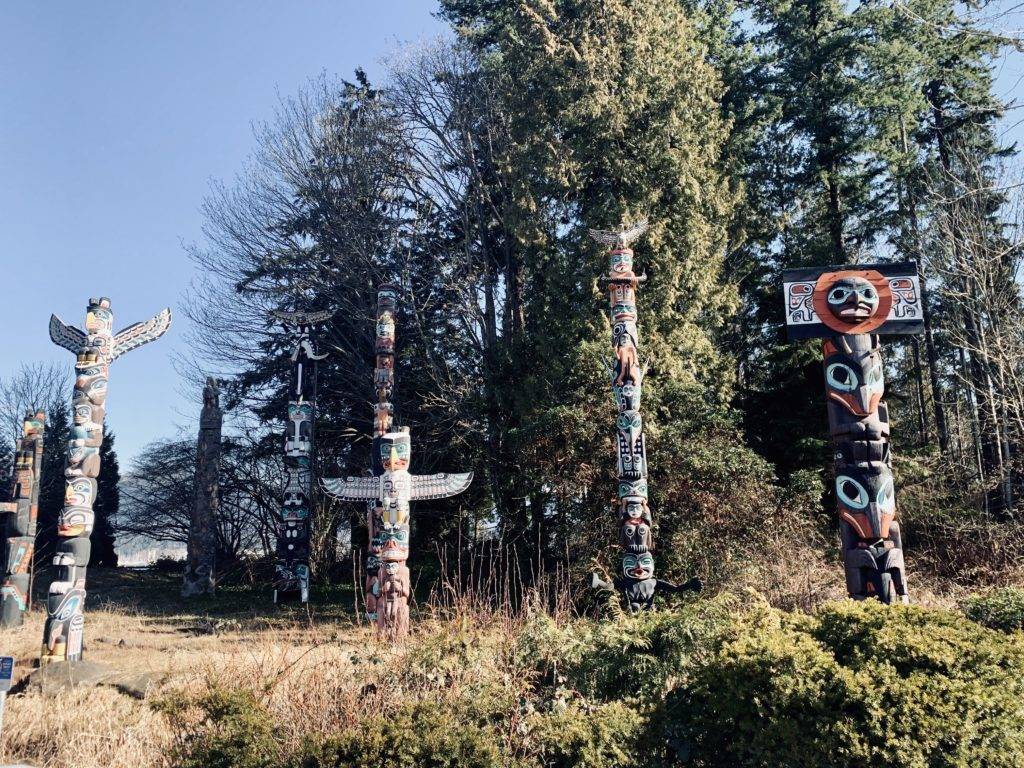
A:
839,295
868,292
850,492
841,377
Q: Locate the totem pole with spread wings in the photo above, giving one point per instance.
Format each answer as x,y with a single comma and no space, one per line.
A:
637,584
390,489
95,349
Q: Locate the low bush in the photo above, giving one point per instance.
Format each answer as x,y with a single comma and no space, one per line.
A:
858,684
1001,609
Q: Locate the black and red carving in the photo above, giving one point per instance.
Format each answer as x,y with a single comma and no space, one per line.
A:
636,584
849,307
95,349
291,566
20,524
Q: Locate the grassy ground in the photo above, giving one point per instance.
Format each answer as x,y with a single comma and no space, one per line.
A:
136,622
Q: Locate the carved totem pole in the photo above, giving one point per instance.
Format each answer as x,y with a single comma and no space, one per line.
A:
291,569
637,584
390,489
849,307
202,531
20,530
95,349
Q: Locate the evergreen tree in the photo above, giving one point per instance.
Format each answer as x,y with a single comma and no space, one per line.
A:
108,498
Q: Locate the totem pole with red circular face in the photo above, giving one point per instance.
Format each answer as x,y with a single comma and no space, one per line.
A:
636,584
849,307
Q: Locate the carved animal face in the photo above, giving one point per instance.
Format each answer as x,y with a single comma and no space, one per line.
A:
621,263
631,444
640,567
867,501
852,299
395,546
857,381
395,451
635,535
98,318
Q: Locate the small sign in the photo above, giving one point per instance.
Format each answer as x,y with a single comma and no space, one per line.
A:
6,672
862,298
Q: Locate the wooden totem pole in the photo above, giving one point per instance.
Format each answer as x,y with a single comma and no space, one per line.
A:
637,584
291,570
202,531
391,488
849,307
95,349
20,528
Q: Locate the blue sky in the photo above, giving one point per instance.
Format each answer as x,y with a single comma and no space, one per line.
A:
115,118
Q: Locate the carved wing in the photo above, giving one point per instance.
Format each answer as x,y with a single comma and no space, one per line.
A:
137,334
353,488
302,318
624,238
439,486
66,336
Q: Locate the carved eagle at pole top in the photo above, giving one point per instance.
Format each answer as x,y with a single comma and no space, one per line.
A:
621,238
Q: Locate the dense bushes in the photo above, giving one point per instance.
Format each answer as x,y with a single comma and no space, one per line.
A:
855,685
1001,609
706,685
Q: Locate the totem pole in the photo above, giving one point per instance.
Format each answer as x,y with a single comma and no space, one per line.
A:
849,307
202,531
291,570
95,349
391,488
637,584
20,531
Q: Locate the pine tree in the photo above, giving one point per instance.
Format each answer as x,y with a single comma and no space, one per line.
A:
51,490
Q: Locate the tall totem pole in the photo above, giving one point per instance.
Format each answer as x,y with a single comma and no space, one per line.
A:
391,488
849,307
291,569
95,349
637,584
202,530
20,528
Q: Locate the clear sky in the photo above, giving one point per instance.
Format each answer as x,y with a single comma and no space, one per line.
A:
114,118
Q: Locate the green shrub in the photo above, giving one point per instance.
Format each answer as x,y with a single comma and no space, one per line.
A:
859,684
580,735
1001,609
220,729
425,734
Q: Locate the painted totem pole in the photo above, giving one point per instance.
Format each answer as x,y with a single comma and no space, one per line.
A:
291,569
637,584
202,531
20,530
95,349
849,307
391,488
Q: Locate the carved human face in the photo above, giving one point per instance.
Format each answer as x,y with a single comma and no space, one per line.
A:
638,566
852,299
79,492
867,500
395,451
857,381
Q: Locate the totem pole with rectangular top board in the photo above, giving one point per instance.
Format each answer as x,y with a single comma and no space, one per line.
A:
20,531
390,489
291,568
95,349
850,307
637,585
